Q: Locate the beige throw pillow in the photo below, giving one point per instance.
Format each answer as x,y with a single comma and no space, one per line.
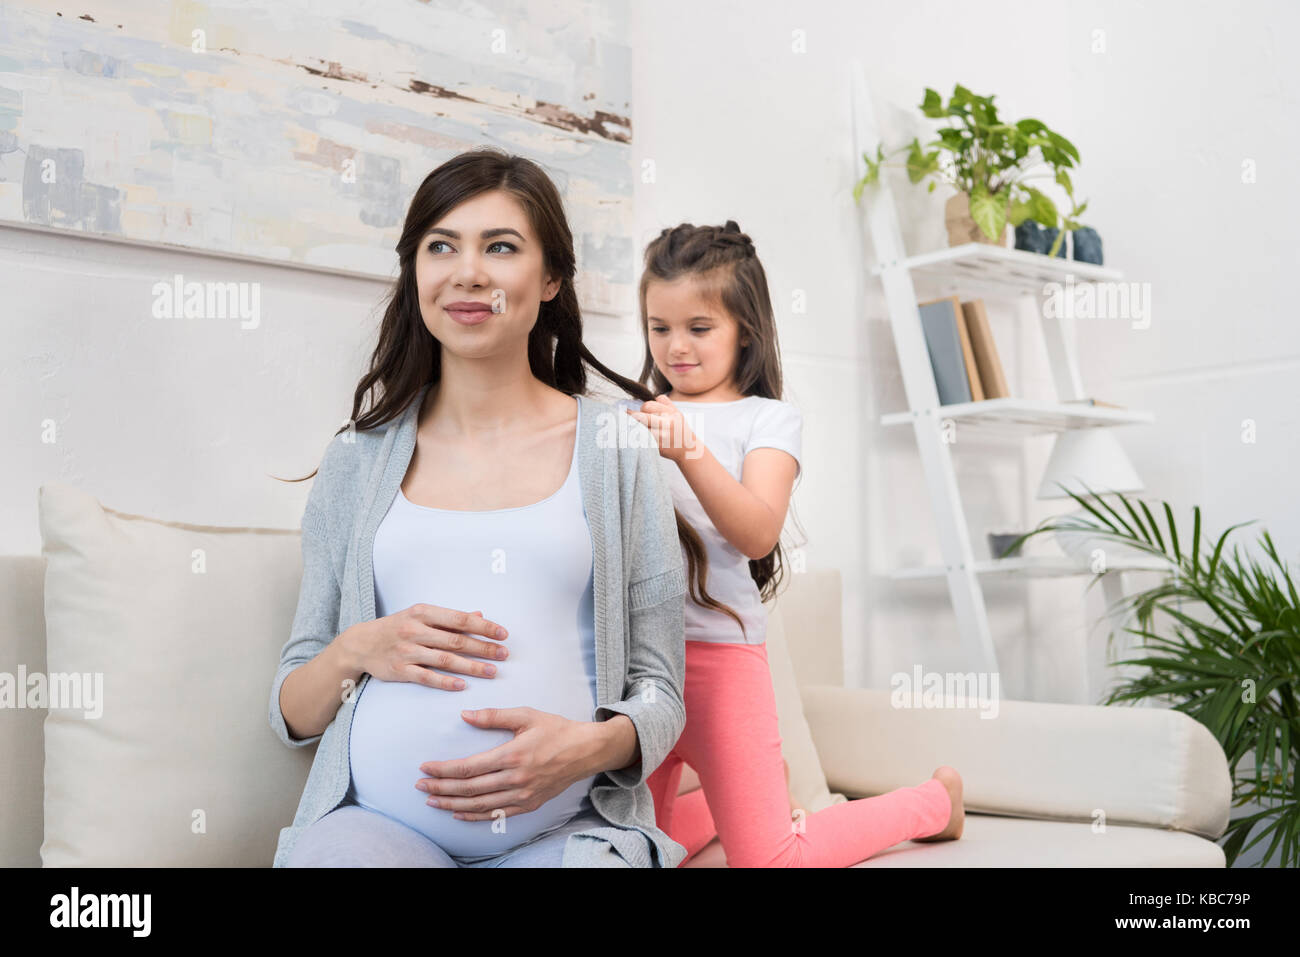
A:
171,633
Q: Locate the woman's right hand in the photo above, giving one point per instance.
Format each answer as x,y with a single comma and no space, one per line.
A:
408,645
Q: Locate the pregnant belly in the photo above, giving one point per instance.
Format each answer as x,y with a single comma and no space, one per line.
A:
398,725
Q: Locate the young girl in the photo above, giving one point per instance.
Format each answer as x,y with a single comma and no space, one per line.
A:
730,449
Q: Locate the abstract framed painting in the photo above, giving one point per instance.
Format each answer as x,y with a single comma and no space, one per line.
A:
225,137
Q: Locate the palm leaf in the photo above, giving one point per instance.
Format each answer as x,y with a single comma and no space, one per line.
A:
1155,528
1173,531
1196,540
1128,528
1146,536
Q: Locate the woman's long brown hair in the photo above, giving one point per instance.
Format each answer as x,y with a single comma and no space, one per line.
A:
726,268
407,357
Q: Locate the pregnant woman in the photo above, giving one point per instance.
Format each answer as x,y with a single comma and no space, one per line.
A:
488,648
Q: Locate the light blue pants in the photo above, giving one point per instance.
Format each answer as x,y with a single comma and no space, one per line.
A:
353,836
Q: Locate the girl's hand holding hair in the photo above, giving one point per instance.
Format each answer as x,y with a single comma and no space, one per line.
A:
668,425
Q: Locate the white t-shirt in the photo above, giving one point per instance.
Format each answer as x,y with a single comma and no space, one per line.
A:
731,430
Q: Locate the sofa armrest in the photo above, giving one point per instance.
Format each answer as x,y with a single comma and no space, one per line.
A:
1137,765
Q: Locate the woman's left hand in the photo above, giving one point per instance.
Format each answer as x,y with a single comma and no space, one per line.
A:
546,755
667,424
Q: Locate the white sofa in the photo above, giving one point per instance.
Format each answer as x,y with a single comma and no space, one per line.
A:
184,623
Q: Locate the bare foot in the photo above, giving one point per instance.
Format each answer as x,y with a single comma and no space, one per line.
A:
957,816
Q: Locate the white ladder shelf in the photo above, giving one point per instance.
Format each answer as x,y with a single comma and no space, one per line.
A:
999,273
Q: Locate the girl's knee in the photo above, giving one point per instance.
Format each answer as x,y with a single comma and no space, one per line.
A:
792,851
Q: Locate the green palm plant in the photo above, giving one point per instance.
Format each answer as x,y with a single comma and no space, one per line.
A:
1234,668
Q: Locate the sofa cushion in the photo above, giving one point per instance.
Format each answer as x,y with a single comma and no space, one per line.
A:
179,627
1150,766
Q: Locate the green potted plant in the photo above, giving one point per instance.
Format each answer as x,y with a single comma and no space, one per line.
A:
1234,666
989,163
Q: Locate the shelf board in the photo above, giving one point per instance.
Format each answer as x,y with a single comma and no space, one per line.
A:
1013,269
1044,566
1022,417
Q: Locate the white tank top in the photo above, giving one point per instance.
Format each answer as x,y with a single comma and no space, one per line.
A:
527,568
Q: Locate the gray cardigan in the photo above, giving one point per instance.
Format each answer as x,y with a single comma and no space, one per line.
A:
639,587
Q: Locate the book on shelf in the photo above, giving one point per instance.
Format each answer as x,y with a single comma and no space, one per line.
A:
963,355
989,366
948,342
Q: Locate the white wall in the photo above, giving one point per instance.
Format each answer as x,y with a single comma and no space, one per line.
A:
1179,99
185,419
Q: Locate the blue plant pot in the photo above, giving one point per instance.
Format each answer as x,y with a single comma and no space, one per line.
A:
1029,237
1087,245
1049,237
1032,237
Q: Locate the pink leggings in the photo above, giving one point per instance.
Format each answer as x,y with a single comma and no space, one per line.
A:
733,742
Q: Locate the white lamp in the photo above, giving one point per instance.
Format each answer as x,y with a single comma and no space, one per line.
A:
1091,457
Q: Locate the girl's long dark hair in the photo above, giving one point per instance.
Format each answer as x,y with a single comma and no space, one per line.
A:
407,357
723,263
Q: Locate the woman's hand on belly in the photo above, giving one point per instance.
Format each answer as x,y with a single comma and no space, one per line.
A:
547,754
408,645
